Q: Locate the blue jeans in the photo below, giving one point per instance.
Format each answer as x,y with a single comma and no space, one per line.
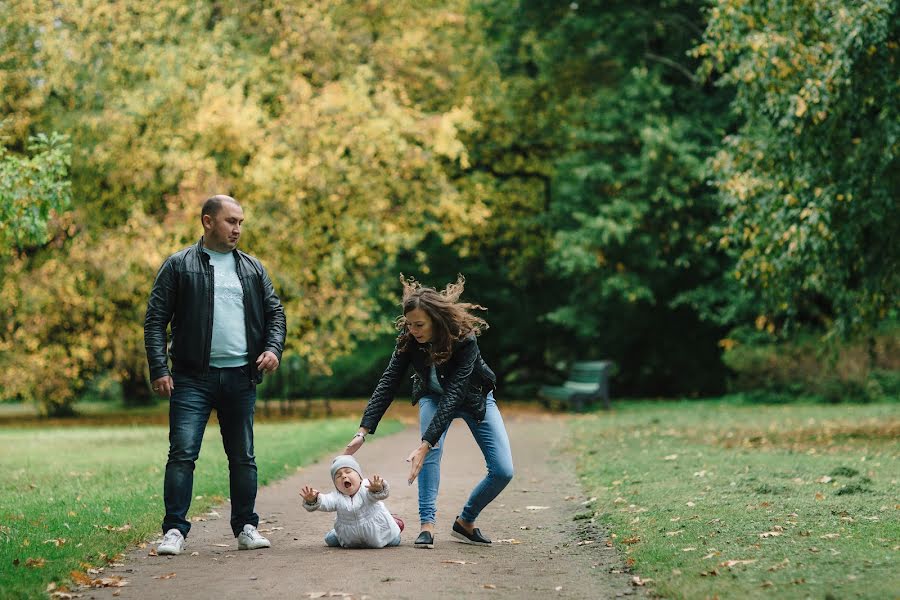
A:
233,395
491,437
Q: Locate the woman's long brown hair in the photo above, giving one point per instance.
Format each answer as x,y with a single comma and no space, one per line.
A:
451,320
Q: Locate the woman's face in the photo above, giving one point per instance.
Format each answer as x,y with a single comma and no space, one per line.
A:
347,481
419,324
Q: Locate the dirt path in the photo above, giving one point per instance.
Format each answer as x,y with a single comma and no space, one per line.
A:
536,551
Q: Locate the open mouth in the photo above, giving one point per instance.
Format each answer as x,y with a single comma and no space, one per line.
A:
347,485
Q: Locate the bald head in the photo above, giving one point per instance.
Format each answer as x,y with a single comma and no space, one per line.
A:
213,205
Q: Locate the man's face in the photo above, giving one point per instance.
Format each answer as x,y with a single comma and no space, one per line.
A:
222,231
347,481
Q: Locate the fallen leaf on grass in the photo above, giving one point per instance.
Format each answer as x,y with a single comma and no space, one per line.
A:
671,457
779,566
710,573
712,554
767,584
124,527
733,563
631,540
824,479
769,534
830,536
166,576
676,532
689,549
637,581
820,496
56,542
35,563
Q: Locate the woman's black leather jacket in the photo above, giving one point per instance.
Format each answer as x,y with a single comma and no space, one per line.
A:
465,378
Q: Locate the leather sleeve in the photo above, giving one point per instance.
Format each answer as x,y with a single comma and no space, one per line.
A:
384,392
276,324
160,309
454,390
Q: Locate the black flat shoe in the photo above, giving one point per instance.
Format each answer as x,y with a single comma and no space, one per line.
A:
469,538
425,540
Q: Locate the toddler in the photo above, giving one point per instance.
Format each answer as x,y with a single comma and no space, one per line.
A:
362,519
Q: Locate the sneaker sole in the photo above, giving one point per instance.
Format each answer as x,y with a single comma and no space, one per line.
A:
425,546
254,547
460,537
172,552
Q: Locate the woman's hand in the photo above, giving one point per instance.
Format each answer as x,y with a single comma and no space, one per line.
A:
416,460
356,443
309,494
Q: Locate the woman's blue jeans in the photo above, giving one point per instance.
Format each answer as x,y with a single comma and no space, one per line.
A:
490,435
231,393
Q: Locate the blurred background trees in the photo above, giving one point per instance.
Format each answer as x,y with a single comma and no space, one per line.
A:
656,183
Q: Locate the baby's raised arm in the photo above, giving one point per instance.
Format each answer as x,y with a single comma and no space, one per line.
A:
309,494
378,488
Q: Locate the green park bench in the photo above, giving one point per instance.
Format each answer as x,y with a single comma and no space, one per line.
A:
587,383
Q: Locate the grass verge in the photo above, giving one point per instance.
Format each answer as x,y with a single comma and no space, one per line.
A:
72,499
711,499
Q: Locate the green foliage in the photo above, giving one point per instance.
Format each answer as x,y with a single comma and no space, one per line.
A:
712,499
809,180
605,119
859,369
311,114
33,189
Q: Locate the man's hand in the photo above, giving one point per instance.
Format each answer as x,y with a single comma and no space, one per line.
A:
416,459
376,484
267,362
163,386
309,494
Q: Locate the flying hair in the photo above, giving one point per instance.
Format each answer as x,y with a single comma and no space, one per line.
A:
451,319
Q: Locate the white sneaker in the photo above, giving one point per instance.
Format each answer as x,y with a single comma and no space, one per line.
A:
251,539
172,543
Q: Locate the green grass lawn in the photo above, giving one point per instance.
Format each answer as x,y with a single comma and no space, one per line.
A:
715,499
73,498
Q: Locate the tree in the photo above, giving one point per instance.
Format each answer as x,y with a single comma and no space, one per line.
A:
315,115
33,189
809,181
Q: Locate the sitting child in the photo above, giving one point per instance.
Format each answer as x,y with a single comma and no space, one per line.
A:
362,520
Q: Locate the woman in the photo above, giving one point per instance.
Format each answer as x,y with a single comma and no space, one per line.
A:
437,337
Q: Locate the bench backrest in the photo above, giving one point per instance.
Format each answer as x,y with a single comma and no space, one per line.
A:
591,372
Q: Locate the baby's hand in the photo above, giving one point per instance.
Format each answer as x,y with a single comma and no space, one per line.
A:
309,494
376,484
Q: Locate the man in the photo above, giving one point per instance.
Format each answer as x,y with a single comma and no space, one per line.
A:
228,328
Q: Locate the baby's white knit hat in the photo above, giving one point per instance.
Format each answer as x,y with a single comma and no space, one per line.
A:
344,460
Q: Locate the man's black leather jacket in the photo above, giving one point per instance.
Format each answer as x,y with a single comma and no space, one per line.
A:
465,378
183,295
